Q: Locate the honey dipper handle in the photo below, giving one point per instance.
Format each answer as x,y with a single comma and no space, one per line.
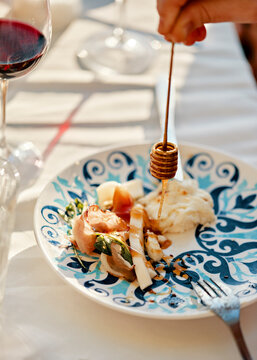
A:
161,95
168,100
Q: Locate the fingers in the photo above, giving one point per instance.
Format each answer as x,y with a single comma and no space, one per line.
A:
183,20
198,34
189,26
168,11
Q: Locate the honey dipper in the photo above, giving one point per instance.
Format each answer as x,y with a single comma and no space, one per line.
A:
164,155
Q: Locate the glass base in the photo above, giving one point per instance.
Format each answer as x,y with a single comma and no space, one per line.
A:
107,54
28,161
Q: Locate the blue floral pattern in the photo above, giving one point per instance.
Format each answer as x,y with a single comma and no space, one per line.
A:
226,251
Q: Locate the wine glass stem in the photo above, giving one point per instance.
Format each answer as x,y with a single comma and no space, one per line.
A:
3,144
118,31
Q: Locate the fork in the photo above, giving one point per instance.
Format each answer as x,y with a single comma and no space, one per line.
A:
221,300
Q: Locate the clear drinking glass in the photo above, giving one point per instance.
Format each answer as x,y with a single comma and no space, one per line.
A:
25,35
9,181
13,345
118,51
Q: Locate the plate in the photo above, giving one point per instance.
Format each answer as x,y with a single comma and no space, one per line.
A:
225,251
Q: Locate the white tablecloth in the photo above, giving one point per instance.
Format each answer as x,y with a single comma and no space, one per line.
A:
69,113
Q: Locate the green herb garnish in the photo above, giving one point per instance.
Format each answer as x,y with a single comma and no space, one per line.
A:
78,257
103,244
79,206
71,210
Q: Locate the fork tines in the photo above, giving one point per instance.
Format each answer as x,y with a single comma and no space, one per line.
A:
213,286
207,290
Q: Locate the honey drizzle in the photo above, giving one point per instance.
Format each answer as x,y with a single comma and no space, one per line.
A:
164,187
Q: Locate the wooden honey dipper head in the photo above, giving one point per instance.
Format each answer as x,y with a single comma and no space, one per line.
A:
164,161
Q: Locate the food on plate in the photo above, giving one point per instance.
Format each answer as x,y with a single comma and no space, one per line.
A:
105,191
143,269
123,227
185,206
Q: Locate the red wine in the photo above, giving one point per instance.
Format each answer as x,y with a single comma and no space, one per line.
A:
21,47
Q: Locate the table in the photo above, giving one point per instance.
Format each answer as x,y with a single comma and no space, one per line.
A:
63,110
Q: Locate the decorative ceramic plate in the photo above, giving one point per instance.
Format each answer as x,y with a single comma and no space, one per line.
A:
225,251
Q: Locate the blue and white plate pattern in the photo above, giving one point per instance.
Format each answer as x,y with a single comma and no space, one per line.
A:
225,251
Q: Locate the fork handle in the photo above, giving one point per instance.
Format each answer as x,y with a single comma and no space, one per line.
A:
238,336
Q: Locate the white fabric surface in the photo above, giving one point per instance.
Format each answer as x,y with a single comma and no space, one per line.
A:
69,113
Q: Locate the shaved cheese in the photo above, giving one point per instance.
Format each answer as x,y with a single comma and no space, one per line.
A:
136,239
153,247
151,270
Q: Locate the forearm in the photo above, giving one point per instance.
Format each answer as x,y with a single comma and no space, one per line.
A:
237,11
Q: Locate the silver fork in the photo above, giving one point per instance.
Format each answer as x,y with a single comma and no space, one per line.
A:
221,300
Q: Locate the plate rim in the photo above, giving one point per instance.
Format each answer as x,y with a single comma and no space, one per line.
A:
131,311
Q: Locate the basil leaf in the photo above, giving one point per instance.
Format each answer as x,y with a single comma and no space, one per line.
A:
103,244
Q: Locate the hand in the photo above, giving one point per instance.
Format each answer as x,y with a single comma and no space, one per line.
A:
183,20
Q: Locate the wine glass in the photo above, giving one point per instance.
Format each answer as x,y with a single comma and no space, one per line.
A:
25,35
118,51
